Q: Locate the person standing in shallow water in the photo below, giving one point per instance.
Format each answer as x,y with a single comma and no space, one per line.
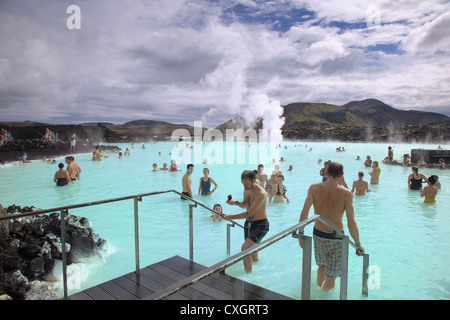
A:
360,187
62,176
430,191
330,200
415,179
186,181
205,184
256,225
375,173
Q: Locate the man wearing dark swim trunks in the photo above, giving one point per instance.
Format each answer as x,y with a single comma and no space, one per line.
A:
256,224
186,182
330,200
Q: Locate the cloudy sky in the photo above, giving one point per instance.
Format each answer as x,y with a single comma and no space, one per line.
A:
196,60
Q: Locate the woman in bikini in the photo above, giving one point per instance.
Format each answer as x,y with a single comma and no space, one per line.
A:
375,173
360,187
272,183
323,171
429,191
279,191
368,162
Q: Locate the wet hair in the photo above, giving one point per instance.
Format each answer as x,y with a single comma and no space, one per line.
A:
260,165
255,172
206,169
61,165
280,176
190,165
248,175
361,174
217,205
335,169
432,179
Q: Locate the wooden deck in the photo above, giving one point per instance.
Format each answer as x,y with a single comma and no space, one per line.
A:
165,273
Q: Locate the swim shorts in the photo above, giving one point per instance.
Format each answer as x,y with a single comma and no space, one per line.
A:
328,252
256,230
186,194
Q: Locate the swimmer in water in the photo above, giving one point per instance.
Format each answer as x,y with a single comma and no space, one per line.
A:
429,191
272,183
360,187
323,171
368,162
205,184
280,191
416,179
173,166
217,208
62,176
186,182
422,163
437,184
375,173
164,168
261,177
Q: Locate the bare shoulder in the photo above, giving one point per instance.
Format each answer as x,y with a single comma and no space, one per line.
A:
345,192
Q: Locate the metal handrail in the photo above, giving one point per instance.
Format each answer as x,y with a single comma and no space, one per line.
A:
202,205
87,204
65,209
222,265
218,267
81,205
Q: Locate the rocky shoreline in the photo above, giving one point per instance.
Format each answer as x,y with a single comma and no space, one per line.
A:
31,252
426,133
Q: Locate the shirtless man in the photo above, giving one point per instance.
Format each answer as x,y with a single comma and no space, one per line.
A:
330,200
186,182
261,176
73,168
256,224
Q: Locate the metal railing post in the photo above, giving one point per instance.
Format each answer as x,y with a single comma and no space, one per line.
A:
344,268
191,232
365,275
136,234
237,289
306,268
63,247
229,237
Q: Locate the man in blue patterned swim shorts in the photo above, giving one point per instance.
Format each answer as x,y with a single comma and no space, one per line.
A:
330,200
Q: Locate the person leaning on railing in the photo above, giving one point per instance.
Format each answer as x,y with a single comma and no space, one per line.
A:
330,200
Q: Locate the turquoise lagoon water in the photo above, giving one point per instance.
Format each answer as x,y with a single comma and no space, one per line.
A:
405,238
